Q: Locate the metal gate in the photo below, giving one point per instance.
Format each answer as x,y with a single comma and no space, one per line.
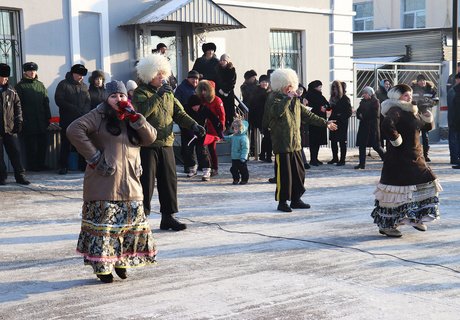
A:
370,74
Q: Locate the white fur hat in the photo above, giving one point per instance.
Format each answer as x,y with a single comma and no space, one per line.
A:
281,78
398,90
131,85
149,67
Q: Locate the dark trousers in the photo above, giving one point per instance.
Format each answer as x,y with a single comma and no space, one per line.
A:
266,145
335,150
159,163
64,153
362,153
11,144
425,142
35,146
314,151
212,147
454,146
239,169
184,140
290,176
196,147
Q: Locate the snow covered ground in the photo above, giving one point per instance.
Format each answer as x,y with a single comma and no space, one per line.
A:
239,257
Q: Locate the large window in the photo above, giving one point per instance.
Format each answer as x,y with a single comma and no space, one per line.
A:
285,50
364,18
413,14
10,52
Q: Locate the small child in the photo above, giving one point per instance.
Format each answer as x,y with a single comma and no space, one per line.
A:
240,150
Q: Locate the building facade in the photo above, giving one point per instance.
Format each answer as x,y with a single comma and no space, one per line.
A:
312,37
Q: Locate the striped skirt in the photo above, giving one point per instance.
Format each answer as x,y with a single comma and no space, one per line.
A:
115,234
398,205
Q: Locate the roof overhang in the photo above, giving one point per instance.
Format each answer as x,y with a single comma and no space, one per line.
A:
375,62
205,14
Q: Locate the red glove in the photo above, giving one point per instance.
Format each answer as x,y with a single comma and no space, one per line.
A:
127,110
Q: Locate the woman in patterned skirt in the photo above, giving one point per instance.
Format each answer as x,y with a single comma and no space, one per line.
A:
115,233
408,190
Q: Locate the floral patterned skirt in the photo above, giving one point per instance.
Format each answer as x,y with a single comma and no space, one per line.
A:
398,205
115,234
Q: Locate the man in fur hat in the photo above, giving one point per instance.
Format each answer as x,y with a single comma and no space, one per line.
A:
10,126
208,63
155,100
36,114
284,113
73,99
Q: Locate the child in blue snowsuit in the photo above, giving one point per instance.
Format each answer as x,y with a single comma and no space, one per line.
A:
240,151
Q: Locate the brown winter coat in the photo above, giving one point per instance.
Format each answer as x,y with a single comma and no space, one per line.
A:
89,134
404,165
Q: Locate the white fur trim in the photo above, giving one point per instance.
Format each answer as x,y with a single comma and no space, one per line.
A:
281,78
429,119
397,142
149,67
403,105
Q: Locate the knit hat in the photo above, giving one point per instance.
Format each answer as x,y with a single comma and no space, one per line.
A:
250,73
5,70
225,57
208,46
369,90
193,74
131,85
29,66
398,90
194,100
114,87
79,69
264,77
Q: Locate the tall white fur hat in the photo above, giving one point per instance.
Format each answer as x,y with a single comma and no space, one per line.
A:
150,66
281,78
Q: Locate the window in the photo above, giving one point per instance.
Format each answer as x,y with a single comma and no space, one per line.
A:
413,14
9,41
285,50
364,18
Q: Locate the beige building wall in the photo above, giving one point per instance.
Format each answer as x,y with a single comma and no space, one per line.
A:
325,53
388,14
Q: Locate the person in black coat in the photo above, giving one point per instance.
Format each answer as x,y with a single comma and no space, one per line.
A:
318,104
341,112
208,62
257,102
369,126
96,88
225,83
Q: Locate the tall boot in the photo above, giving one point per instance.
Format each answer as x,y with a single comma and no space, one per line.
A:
335,151
343,155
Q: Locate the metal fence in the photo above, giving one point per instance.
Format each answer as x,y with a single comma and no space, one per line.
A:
371,73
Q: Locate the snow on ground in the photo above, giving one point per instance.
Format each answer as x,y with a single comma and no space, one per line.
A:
239,257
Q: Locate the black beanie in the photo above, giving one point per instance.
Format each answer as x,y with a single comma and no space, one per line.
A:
314,84
264,77
5,70
208,46
194,100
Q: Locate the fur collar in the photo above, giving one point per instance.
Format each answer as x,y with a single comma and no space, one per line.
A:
403,105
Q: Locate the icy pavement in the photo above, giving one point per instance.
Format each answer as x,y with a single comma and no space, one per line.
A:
239,257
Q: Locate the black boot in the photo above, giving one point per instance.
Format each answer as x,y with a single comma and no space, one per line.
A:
121,272
169,222
106,278
334,160
283,206
22,180
299,204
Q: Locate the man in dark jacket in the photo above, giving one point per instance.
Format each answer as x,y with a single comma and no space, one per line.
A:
183,93
424,92
207,64
36,114
10,126
453,121
73,99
